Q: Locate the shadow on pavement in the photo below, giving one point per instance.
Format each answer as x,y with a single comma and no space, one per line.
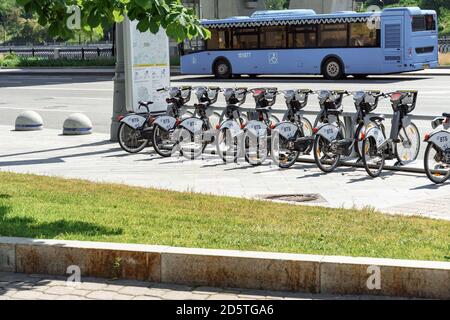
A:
431,186
56,159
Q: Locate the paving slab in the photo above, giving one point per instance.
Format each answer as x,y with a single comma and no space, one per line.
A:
95,158
9,292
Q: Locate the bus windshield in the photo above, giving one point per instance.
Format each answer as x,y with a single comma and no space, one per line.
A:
423,23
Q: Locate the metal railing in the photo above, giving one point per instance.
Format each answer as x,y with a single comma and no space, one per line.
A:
350,126
444,45
61,53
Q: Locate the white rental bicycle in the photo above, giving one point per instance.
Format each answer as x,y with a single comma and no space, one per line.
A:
437,155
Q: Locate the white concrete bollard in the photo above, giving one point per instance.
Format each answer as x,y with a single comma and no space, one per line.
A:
77,124
29,121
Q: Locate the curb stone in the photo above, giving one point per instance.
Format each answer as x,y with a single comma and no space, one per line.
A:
227,268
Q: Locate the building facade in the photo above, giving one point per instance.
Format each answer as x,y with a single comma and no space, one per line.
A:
323,6
219,9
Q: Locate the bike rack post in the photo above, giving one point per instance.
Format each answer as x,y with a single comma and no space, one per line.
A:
350,130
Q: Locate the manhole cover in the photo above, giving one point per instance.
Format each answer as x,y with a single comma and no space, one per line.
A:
295,197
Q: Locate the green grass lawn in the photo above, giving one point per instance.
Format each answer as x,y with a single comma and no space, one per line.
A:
51,208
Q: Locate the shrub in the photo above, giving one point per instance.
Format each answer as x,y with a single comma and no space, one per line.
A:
444,59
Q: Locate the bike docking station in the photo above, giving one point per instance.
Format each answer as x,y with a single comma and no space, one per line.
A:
349,157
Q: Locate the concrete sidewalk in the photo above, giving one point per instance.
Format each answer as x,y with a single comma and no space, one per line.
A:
14,286
95,158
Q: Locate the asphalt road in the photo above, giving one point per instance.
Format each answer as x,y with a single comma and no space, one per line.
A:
55,97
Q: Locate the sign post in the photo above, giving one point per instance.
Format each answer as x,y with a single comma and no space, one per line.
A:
147,67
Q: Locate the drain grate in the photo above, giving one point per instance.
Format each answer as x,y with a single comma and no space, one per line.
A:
309,197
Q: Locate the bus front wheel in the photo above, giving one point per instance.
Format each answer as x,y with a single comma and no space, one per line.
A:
222,69
333,69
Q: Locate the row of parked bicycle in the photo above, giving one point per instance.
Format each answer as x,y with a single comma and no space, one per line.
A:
262,135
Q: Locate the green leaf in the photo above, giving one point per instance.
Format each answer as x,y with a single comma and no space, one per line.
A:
154,26
94,19
22,2
42,20
118,16
143,25
145,4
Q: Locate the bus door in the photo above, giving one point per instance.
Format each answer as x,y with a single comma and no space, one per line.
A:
393,41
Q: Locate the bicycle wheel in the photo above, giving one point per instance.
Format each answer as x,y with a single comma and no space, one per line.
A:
130,140
283,156
186,115
307,127
373,158
163,142
437,170
326,160
359,144
407,150
214,119
227,146
256,150
190,145
274,119
342,130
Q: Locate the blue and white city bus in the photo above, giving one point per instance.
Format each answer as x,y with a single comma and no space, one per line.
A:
303,42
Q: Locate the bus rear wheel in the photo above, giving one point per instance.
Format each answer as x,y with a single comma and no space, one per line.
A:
333,69
222,69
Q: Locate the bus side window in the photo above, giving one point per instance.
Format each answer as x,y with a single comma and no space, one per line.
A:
273,37
302,36
363,36
218,40
333,35
245,38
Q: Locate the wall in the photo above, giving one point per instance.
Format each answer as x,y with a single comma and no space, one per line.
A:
219,9
323,6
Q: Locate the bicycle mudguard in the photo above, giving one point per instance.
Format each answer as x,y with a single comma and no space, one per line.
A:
441,139
166,123
329,131
377,134
134,121
256,128
193,125
406,121
287,130
233,126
